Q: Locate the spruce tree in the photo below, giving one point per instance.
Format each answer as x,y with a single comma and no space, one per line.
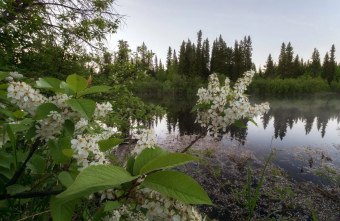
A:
174,58
270,70
325,68
199,55
289,66
315,66
156,64
168,58
206,58
331,64
296,67
182,61
282,60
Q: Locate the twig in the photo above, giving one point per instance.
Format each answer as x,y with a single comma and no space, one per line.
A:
194,141
34,215
26,195
22,168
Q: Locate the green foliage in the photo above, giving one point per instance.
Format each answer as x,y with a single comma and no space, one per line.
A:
146,156
178,186
85,107
44,109
95,178
105,145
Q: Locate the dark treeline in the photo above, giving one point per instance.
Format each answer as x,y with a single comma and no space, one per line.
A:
187,70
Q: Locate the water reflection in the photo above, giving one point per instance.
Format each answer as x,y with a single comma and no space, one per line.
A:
286,112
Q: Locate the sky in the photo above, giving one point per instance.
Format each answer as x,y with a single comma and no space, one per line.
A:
306,24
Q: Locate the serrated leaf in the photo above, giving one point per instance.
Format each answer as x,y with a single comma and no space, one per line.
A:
177,185
68,152
76,83
95,89
3,75
96,178
16,188
167,161
111,205
239,123
57,147
85,107
45,109
61,210
145,156
67,89
51,84
37,164
69,127
65,178
105,145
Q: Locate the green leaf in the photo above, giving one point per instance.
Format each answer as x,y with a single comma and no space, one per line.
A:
252,120
44,109
99,215
67,89
5,162
6,172
105,145
37,164
239,123
177,185
130,163
16,188
31,133
57,148
7,112
85,107
51,84
65,178
19,114
68,152
76,83
3,86
3,75
96,178
145,156
3,94
111,205
61,210
167,161
18,127
95,89
69,127
197,106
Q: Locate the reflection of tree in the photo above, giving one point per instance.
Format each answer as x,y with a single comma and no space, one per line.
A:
238,133
286,110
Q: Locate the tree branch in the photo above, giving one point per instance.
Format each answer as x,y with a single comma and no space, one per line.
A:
194,141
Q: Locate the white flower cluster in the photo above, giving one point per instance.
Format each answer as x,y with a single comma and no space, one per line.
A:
87,151
160,207
102,109
225,105
48,127
13,75
59,100
147,139
25,96
80,126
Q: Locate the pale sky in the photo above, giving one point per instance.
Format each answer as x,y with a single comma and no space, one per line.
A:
307,24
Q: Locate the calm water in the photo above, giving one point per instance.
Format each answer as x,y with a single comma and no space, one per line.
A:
302,126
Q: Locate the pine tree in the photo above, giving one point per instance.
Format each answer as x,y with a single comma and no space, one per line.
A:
168,58
206,58
182,61
325,68
315,65
174,58
270,70
156,65
331,64
289,66
236,73
199,55
296,67
282,61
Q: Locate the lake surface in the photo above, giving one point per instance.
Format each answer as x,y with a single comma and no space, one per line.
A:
302,126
